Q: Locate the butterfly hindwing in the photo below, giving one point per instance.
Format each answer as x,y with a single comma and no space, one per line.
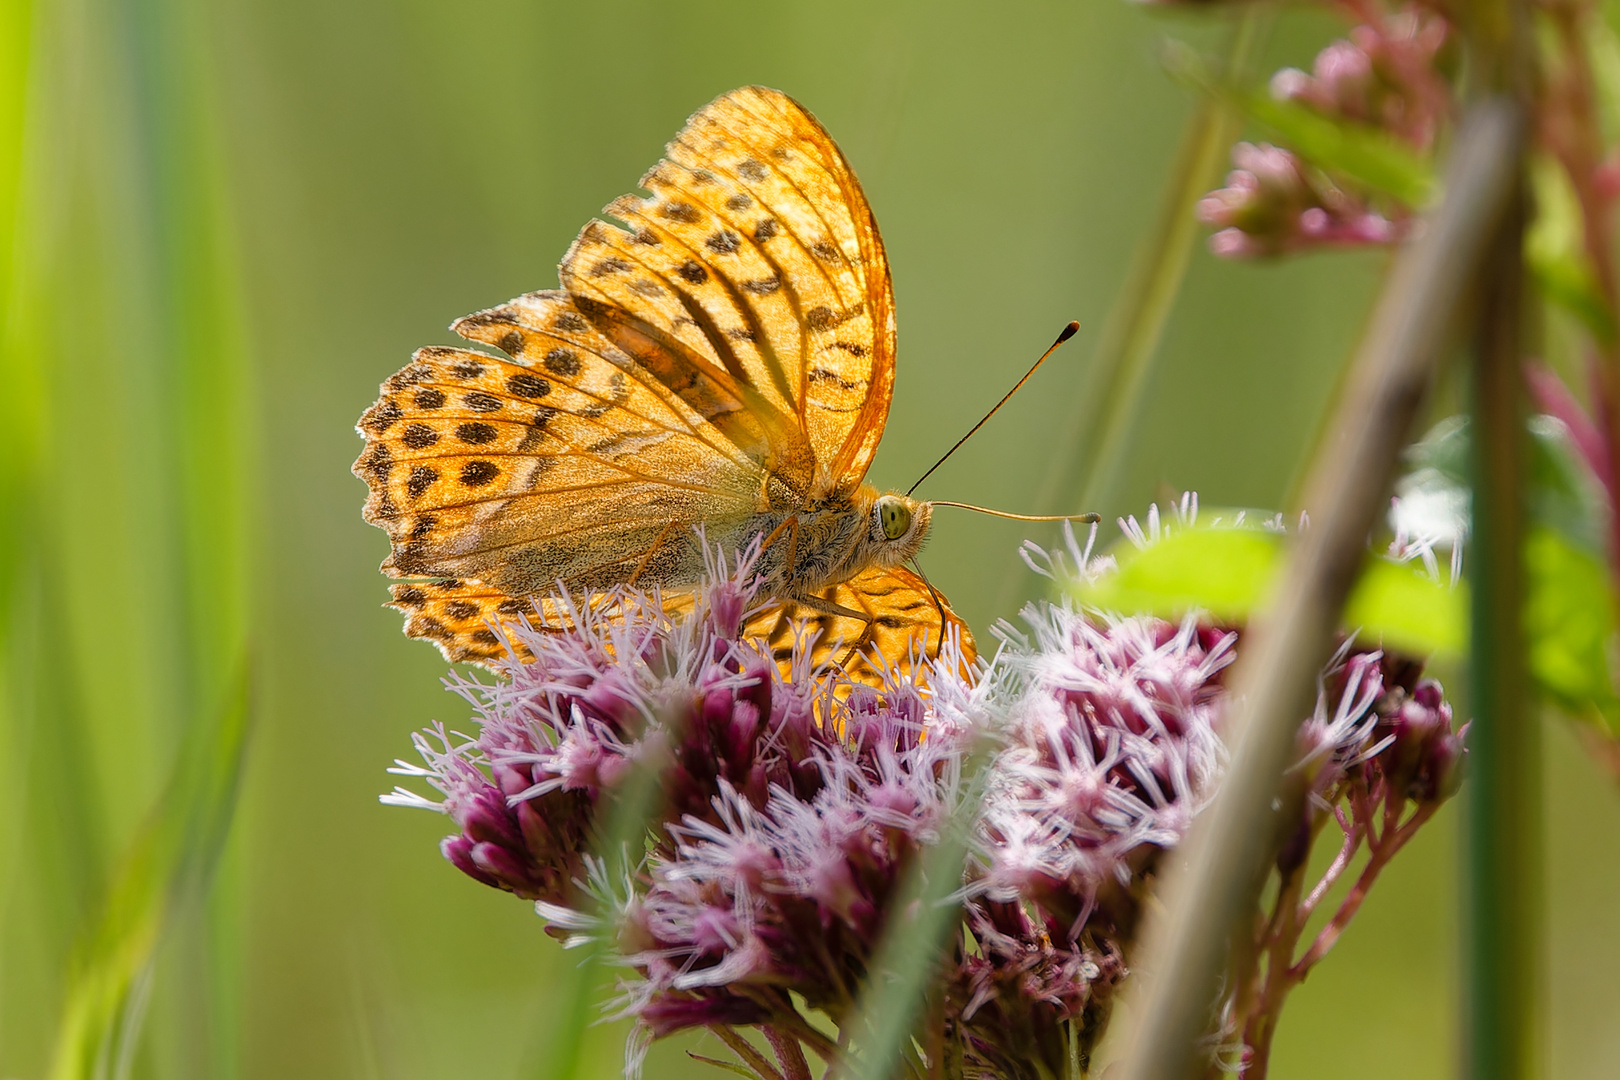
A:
907,622
469,622
473,623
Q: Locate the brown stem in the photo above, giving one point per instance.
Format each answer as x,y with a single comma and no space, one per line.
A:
745,1050
788,1052
789,1018
1352,840
1262,1025
1389,844
1230,846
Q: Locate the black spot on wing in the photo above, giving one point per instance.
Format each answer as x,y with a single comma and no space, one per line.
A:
422,477
419,437
479,473
724,242
564,363
383,415
525,385
476,434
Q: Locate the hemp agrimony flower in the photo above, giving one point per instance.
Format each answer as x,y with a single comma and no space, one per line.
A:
792,802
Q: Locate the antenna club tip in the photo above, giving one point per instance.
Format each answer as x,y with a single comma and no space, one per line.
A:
1068,331
1090,519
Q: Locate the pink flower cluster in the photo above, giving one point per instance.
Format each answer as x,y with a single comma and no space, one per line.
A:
1386,75
1107,752
1273,203
793,801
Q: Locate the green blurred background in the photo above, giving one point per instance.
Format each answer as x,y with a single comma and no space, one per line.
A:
228,223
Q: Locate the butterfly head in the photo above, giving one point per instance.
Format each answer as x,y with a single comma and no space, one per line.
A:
898,527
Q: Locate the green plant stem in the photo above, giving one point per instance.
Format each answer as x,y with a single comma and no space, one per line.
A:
1231,844
1503,819
624,823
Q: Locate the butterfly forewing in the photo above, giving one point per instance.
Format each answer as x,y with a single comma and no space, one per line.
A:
518,475
757,256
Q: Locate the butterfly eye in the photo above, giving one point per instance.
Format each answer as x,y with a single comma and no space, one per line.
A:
894,515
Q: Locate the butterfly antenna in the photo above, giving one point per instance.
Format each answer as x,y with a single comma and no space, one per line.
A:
1068,332
1090,518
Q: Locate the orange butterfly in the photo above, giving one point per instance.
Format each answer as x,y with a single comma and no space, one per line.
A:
726,362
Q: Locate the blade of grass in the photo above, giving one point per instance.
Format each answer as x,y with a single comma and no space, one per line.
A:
169,864
202,372
622,844
1230,845
906,963
52,842
1096,432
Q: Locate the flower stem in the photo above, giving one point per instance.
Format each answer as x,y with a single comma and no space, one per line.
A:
788,1052
745,1050
1381,854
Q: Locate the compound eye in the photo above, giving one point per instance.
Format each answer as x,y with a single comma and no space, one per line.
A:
895,517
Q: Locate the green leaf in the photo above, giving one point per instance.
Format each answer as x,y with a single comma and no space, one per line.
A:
1370,156
1570,624
1555,250
1408,610
1225,571
1229,572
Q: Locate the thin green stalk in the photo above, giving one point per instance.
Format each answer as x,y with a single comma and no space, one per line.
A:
622,844
1087,454
169,864
1501,831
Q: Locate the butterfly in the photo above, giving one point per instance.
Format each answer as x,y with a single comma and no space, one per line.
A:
726,360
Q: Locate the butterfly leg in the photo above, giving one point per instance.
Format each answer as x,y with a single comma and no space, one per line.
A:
828,607
790,527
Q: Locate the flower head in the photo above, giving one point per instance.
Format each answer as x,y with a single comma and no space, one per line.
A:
1274,203
794,800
